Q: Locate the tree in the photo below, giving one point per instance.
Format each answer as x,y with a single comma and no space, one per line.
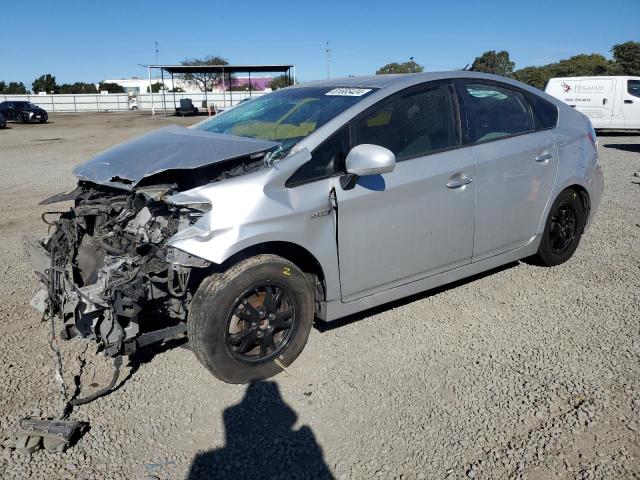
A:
77,87
281,81
627,56
534,76
156,87
576,66
491,62
111,87
406,67
45,83
582,65
14,88
204,80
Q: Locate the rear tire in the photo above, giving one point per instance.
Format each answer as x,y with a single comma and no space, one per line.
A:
244,320
563,229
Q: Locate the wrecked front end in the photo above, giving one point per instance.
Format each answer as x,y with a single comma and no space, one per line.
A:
106,271
106,268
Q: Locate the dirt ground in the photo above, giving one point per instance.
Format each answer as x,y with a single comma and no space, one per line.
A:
524,372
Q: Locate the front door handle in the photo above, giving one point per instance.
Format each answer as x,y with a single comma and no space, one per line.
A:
543,157
628,101
459,180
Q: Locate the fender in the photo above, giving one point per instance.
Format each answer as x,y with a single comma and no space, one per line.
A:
257,208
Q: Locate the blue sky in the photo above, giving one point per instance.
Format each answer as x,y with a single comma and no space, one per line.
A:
90,41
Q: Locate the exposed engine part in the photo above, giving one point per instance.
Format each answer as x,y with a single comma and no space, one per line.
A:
106,270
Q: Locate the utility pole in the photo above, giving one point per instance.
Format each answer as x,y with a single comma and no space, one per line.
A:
328,52
156,44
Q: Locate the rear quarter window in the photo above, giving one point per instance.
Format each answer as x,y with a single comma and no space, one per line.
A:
545,113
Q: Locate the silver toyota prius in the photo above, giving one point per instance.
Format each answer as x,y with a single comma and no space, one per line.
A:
312,202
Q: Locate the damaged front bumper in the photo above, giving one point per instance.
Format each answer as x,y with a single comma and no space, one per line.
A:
83,309
107,273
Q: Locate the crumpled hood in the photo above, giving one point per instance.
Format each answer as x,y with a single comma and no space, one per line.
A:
169,148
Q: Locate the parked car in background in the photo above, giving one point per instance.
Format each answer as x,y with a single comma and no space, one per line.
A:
23,112
609,102
3,121
315,201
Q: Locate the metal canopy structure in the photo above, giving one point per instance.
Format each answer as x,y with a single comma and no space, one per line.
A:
225,68
218,70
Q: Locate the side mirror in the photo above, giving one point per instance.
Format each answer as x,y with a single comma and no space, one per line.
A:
368,159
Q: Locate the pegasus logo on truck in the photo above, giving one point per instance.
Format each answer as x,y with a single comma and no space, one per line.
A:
566,88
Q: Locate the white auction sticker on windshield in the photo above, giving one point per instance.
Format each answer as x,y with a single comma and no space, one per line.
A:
348,92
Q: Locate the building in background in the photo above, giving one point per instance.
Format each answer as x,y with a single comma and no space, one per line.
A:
136,85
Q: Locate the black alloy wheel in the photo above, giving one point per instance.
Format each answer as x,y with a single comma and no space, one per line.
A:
261,323
251,321
563,229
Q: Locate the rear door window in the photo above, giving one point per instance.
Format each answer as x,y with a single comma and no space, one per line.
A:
495,112
633,87
413,124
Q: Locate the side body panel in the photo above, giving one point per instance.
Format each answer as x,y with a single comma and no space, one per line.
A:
406,224
337,309
578,163
512,190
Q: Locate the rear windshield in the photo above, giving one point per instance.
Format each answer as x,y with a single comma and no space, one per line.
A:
286,116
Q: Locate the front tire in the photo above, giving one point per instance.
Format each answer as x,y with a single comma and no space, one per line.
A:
246,320
563,229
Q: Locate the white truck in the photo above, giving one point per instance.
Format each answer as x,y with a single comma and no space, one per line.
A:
609,102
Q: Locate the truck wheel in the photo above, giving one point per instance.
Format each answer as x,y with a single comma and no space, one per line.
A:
246,320
563,229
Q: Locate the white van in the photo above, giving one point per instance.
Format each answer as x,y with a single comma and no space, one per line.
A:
609,102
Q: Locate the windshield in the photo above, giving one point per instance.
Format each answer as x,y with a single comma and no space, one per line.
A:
24,105
286,116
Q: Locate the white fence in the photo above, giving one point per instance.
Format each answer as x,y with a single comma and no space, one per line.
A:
159,102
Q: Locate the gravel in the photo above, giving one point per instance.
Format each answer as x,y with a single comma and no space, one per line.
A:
524,372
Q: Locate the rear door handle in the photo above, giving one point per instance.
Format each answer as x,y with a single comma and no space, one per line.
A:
543,157
628,101
459,180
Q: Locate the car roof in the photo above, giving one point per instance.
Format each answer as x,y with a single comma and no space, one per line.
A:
393,80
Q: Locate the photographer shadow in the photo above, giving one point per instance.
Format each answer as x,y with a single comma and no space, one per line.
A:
260,442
